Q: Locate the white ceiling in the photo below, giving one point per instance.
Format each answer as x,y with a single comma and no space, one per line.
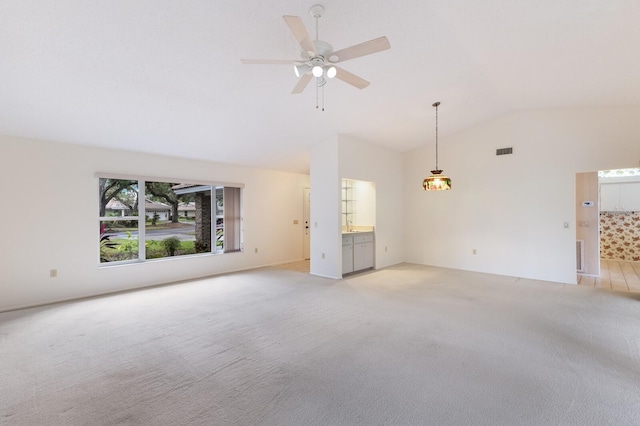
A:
165,76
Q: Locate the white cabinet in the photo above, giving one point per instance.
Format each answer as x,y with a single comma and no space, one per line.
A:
347,254
624,196
357,252
363,251
630,196
609,197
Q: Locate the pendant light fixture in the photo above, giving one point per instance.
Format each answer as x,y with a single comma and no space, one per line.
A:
437,181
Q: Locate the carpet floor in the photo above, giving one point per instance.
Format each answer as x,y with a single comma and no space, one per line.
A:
406,345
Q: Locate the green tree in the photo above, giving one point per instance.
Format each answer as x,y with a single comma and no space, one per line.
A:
130,199
115,188
161,191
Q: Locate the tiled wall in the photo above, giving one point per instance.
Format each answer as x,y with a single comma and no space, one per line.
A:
620,236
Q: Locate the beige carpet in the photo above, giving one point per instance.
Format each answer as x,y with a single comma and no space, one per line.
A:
297,266
408,345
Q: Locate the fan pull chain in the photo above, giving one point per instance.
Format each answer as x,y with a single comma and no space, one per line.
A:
322,98
317,89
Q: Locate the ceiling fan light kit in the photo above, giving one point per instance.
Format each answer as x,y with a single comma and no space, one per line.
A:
300,70
317,71
318,57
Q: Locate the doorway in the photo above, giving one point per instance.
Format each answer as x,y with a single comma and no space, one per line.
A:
306,218
608,229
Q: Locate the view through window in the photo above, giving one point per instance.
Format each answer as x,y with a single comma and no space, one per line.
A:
152,219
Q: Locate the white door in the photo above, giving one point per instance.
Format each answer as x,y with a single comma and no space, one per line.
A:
306,218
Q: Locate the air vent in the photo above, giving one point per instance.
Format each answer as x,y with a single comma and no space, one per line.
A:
504,151
580,255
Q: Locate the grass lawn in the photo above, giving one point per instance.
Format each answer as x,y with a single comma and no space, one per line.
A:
127,249
168,225
165,224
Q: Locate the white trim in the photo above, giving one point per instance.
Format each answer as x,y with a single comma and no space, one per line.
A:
142,221
142,212
194,189
117,218
105,175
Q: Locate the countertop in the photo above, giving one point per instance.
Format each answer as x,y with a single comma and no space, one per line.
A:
356,232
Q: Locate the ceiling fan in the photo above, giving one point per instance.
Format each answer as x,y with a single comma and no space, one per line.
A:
318,58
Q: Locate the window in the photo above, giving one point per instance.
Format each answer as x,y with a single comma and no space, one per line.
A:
142,219
118,220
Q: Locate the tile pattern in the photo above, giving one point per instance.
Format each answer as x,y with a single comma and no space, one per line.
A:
620,236
615,275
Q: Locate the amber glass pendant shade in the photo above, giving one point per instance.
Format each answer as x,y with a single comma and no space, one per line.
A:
436,182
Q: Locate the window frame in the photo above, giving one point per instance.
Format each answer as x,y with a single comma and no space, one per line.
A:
141,218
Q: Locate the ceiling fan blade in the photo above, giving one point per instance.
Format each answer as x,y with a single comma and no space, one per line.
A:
351,79
268,61
362,49
300,33
302,83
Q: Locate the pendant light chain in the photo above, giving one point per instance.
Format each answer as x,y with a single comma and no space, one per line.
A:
436,105
437,181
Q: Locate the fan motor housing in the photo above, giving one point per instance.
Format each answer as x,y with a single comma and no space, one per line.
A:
324,51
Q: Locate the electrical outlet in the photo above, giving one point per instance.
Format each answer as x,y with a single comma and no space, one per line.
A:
323,255
474,251
385,248
53,273
255,250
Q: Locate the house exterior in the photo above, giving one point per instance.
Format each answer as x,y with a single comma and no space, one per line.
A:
187,210
153,208
117,208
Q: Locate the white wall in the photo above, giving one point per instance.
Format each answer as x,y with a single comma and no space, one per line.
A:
60,180
516,226
325,210
344,157
364,203
587,219
367,162
511,209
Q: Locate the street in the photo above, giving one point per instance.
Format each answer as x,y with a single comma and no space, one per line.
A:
186,233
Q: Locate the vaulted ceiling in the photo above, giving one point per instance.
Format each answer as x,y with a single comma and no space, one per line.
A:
165,77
